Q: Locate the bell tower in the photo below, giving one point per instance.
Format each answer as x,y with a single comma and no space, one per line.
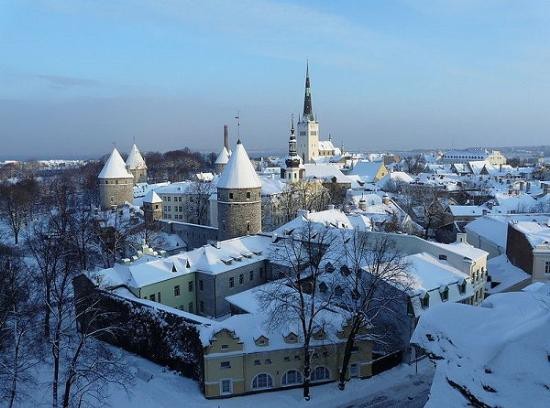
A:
308,127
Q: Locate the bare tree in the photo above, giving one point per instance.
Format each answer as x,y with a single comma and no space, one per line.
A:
414,164
371,267
16,201
196,208
304,195
17,323
293,299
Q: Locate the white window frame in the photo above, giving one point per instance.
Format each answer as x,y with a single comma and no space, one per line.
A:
323,379
230,386
262,388
299,379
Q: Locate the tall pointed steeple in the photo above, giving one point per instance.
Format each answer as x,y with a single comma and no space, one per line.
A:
308,109
293,160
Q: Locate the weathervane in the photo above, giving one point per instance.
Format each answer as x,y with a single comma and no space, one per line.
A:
238,117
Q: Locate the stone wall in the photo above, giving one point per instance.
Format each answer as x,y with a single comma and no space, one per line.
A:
140,175
194,235
239,212
115,192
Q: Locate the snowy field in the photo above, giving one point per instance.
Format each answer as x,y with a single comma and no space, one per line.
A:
155,386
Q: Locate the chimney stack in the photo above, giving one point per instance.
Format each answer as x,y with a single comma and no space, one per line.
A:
226,137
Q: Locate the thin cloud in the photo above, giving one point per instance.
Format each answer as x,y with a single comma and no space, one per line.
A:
64,82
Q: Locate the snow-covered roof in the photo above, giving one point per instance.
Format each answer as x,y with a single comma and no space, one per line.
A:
367,170
537,233
114,167
135,159
429,273
326,145
325,172
496,353
211,259
239,172
503,274
466,210
272,185
152,197
223,157
492,228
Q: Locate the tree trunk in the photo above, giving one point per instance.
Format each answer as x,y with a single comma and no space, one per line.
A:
347,357
47,313
307,372
55,382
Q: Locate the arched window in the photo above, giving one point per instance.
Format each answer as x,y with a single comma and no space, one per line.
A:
262,380
320,373
292,377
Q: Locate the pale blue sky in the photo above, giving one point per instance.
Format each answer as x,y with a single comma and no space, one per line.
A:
78,75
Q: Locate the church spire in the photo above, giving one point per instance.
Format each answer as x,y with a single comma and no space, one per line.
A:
308,109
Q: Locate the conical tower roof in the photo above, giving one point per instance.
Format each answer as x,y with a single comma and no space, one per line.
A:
135,159
114,167
223,157
239,172
151,197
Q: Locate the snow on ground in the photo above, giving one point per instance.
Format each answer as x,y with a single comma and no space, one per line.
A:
155,386
498,352
167,389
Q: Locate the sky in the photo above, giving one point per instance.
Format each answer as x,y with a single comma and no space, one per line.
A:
77,76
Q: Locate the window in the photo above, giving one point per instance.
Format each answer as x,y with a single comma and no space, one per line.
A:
445,294
354,370
152,297
177,290
158,295
320,374
292,377
262,381
425,301
231,282
225,347
257,362
442,257
231,196
251,275
190,286
241,279
547,267
226,387
201,285
248,194
261,272
225,364
201,306
190,307
267,361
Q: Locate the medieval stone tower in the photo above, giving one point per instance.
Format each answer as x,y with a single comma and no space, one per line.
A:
152,208
136,165
116,184
308,128
239,201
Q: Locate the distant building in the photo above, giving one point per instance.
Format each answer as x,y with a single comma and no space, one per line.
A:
494,157
116,183
136,165
225,153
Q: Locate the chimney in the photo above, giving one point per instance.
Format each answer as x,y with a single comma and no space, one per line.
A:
226,137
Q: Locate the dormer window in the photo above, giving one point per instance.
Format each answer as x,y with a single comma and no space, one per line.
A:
462,287
262,341
444,294
442,257
425,301
344,270
291,338
329,267
323,287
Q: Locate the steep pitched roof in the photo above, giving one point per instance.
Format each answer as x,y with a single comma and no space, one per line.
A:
223,157
152,197
239,172
114,167
135,159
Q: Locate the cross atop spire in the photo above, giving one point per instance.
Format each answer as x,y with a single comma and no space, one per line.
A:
308,109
